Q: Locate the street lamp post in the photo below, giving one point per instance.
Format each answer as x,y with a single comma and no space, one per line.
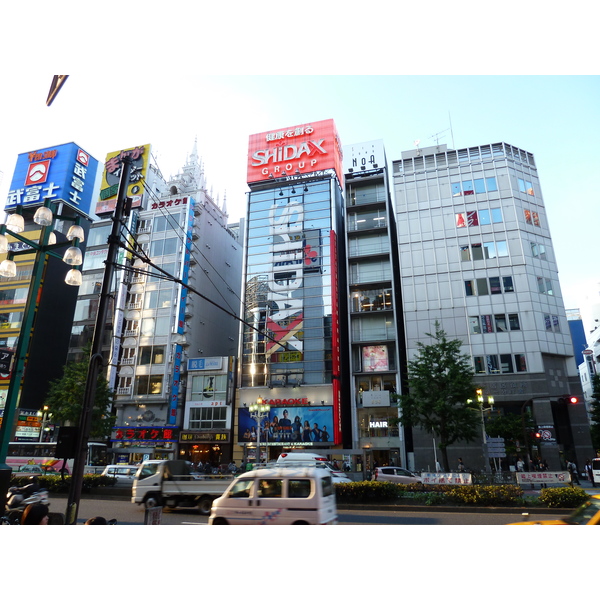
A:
43,248
44,414
480,402
258,411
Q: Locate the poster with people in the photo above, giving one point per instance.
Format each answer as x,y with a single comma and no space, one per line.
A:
285,425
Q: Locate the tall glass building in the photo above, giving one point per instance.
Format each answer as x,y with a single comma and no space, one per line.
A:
291,337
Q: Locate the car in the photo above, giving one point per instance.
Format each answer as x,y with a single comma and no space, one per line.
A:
586,514
123,474
395,475
306,459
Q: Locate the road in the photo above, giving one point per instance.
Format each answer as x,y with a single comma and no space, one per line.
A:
127,513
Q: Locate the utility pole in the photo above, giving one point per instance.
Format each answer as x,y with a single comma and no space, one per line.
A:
95,365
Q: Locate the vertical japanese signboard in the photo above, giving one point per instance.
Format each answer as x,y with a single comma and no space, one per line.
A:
109,186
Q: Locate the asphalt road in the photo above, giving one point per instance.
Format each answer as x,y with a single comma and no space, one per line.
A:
127,513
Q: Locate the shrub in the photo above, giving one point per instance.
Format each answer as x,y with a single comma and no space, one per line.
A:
367,491
486,495
58,485
567,497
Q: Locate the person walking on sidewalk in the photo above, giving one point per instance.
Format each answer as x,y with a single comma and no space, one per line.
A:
572,468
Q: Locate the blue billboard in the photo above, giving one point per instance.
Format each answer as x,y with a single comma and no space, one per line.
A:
304,425
64,172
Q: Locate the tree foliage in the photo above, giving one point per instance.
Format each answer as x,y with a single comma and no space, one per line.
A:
65,398
595,413
513,428
440,381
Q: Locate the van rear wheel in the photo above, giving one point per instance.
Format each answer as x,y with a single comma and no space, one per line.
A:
204,505
299,523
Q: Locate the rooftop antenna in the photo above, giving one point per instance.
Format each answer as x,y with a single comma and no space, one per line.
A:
438,136
451,132
417,142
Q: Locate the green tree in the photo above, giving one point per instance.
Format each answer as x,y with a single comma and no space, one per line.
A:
595,413
440,381
65,398
513,428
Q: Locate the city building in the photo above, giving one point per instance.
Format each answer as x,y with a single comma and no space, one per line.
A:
294,339
61,178
176,304
375,326
476,255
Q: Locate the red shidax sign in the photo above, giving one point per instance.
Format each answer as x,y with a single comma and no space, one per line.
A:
295,150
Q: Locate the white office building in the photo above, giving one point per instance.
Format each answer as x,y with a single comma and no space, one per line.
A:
476,255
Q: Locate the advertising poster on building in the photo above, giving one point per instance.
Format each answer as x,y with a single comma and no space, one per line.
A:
64,172
375,358
284,425
109,186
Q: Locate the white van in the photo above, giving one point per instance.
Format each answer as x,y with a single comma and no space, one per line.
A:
304,459
278,496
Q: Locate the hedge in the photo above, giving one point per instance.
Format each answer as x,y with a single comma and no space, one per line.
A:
456,495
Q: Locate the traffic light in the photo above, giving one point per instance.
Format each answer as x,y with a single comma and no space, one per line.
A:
569,400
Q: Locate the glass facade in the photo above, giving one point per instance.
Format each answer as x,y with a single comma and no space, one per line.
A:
288,296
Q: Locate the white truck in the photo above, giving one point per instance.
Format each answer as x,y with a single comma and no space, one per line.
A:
173,483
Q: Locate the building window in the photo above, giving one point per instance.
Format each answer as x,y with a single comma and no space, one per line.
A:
151,355
474,218
525,187
485,250
504,363
552,323
209,388
164,247
208,417
157,299
497,285
146,385
482,287
538,250
474,326
532,218
496,323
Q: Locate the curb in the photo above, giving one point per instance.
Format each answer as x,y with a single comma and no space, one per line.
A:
518,510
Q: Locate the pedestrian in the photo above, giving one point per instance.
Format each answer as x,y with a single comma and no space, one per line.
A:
589,472
572,468
35,514
520,465
461,466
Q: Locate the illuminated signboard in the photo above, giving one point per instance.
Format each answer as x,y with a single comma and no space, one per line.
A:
64,172
109,187
144,434
294,423
295,151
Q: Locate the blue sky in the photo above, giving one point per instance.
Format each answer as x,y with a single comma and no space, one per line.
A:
557,118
